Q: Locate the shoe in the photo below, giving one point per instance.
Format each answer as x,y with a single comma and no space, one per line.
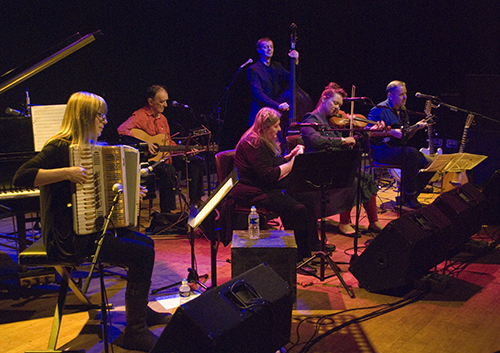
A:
328,247
348,230
409,204
306,270
413,204
375,227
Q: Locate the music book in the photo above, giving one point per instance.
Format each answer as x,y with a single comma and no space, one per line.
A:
455,162
47,120
196,217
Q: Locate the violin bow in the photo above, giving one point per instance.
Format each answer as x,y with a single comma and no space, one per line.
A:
351,118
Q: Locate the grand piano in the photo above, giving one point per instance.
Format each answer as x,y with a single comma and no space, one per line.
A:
17,142
16,201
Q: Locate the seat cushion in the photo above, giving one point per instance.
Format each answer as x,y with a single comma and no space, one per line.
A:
36,256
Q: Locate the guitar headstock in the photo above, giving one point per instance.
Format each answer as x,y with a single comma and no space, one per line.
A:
429,117
428,108
293,35
469,121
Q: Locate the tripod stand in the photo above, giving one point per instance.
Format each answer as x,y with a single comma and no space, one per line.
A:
193,276
323,171
196,218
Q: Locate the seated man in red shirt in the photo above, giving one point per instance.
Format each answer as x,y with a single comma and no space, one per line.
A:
149,124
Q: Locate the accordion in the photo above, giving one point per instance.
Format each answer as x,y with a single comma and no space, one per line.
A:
105,166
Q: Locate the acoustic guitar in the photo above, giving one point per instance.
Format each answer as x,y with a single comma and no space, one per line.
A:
454,179
430,150
166,147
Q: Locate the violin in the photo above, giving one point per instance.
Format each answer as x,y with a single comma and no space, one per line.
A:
342,119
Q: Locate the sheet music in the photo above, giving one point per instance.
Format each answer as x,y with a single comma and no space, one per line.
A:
455,162
47,120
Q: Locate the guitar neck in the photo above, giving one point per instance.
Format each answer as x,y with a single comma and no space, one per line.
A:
468,123
430,134
464,141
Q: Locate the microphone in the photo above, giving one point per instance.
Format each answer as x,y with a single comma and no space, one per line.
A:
425,96
249,61
179,105
296,125
13,112
117,188
352,99
146,171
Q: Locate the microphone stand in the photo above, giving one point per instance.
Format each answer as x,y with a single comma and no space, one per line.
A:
104,316
404,143
225,96
453,108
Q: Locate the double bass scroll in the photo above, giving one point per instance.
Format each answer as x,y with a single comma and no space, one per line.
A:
299,101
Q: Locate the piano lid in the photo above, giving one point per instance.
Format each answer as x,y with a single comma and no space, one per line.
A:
47,62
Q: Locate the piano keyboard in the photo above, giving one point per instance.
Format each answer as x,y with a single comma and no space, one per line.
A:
19,194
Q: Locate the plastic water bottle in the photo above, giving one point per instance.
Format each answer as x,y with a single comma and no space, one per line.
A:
184,292
253,224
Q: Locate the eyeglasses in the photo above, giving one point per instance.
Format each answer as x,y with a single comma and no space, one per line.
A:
102,117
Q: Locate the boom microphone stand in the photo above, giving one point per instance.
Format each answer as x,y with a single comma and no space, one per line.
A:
118,189
225,97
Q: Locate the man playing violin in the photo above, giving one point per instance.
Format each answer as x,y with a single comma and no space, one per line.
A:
387,150
151,120
342,201
268,79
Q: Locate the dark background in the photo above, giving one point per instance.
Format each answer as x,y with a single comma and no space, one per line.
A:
444,48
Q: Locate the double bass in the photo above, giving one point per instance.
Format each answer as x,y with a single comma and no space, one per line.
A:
299,101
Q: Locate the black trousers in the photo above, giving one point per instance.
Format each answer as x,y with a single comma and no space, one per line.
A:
412,181
128,248
167,185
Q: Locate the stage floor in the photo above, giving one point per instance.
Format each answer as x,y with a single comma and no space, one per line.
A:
463,317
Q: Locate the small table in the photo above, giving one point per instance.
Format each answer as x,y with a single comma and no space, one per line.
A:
276,248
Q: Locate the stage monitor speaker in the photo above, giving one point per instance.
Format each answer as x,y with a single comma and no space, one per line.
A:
465,207
250,313
405,250
491,192
408,247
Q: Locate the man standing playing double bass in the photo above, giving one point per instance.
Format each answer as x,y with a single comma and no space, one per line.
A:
268,79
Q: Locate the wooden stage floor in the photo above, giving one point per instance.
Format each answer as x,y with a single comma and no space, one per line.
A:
464,316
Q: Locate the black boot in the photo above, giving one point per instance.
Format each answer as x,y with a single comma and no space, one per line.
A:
136,335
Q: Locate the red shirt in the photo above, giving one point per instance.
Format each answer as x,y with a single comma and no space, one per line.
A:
144,119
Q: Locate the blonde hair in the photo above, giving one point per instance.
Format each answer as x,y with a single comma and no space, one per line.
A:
78,125
265,118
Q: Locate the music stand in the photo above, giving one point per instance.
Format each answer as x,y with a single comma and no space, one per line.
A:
323,171
196,218
455,162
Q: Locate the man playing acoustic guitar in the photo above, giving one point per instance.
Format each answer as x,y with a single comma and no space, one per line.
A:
150,125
